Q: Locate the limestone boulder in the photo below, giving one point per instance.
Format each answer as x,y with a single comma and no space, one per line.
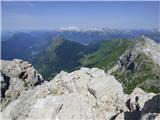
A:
103,84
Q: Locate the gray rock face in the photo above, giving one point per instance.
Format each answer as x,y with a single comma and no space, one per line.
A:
51,105
82,94
104,84
151,116
16,76
60,107
149,106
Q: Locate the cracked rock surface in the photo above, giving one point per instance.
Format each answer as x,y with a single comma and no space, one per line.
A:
82,94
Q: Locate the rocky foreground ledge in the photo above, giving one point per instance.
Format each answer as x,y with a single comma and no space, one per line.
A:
85,94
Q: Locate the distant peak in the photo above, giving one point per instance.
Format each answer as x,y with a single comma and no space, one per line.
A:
70,28
77,29
146,46
60,37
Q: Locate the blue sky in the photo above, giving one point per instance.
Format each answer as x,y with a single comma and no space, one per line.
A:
52,15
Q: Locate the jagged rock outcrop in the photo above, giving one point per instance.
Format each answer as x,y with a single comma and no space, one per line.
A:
142,45
139,66
17,76
82,94
149,106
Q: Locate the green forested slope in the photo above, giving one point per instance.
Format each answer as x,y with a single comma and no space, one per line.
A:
107,54
59,55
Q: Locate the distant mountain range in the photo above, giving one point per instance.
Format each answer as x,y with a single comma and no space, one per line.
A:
25,45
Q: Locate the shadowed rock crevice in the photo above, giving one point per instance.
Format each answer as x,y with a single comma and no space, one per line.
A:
16,76
135,115
4,84
23,75
152,105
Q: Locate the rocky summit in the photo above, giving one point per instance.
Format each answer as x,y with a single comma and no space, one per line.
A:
84,94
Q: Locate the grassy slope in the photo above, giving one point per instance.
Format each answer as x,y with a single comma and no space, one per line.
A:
106,57
46,58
